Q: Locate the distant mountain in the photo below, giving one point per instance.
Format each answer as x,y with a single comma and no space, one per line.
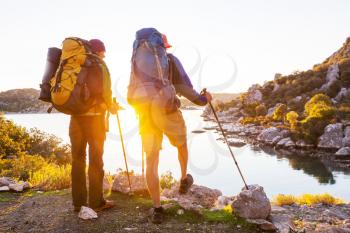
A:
22,101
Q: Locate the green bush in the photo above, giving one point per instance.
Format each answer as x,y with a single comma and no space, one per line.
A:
16,141
21,167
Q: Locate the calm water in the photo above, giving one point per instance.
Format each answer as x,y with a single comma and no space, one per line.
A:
209,162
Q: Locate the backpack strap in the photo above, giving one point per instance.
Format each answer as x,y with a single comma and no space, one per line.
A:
159,68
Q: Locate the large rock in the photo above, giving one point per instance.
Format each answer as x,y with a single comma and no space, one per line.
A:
254,95
332,76
19,187
332,137
272,135
263,224
196,198
4,188
342,93
6,181
343,153
252,203
347,131
121,184
346,141
286,143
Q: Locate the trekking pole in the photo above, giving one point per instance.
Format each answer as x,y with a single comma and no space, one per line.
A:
143,162
122,140
225,139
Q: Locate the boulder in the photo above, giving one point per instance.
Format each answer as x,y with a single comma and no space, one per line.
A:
332,137
286,143
6,181
346,141
343,153
196,198
283,222
252,203
254,95
342,93
19,187
332,76
121,184
272,135
4,188
263,224
347,131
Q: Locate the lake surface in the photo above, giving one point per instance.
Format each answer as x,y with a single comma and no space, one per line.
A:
210,162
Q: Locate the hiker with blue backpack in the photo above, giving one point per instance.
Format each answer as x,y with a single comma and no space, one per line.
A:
157,77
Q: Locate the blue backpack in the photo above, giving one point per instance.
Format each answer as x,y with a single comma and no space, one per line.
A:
150,79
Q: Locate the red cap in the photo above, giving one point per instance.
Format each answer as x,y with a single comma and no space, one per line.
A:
165,41
97,46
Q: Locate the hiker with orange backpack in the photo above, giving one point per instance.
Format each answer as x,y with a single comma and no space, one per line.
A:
156,78
81,87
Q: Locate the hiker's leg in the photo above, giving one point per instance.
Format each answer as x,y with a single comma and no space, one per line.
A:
153,178
152,146
78,147
175,129
183,159
96,142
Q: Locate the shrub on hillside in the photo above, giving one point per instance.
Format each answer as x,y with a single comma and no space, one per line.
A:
280,113
317,99
292,118
319,112
16,141
260,110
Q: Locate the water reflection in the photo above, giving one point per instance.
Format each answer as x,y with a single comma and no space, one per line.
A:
312,166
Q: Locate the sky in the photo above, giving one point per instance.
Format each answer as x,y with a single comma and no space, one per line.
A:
225,45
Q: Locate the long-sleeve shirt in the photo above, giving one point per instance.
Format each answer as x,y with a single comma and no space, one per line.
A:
182,83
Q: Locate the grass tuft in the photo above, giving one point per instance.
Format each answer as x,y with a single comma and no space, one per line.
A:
307,199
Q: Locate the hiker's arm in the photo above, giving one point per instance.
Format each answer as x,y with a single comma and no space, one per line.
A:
183,85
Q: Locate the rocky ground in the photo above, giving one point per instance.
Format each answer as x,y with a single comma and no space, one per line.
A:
333,146
52,212
34,211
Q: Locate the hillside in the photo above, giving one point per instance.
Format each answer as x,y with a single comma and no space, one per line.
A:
306,109
22,101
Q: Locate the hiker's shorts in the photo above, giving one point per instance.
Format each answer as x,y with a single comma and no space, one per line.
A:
153,123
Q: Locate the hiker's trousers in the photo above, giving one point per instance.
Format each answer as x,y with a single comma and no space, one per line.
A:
83,131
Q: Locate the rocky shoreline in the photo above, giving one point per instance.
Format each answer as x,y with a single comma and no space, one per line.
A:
334,144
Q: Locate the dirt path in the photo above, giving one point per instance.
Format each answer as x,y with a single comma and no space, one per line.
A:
52,212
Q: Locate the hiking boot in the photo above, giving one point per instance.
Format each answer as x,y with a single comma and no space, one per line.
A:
105,206
157,215
186,184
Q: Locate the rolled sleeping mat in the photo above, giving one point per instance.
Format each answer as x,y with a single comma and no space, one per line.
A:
52,63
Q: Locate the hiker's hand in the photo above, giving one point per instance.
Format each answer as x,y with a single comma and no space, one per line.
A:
115,107
208,96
